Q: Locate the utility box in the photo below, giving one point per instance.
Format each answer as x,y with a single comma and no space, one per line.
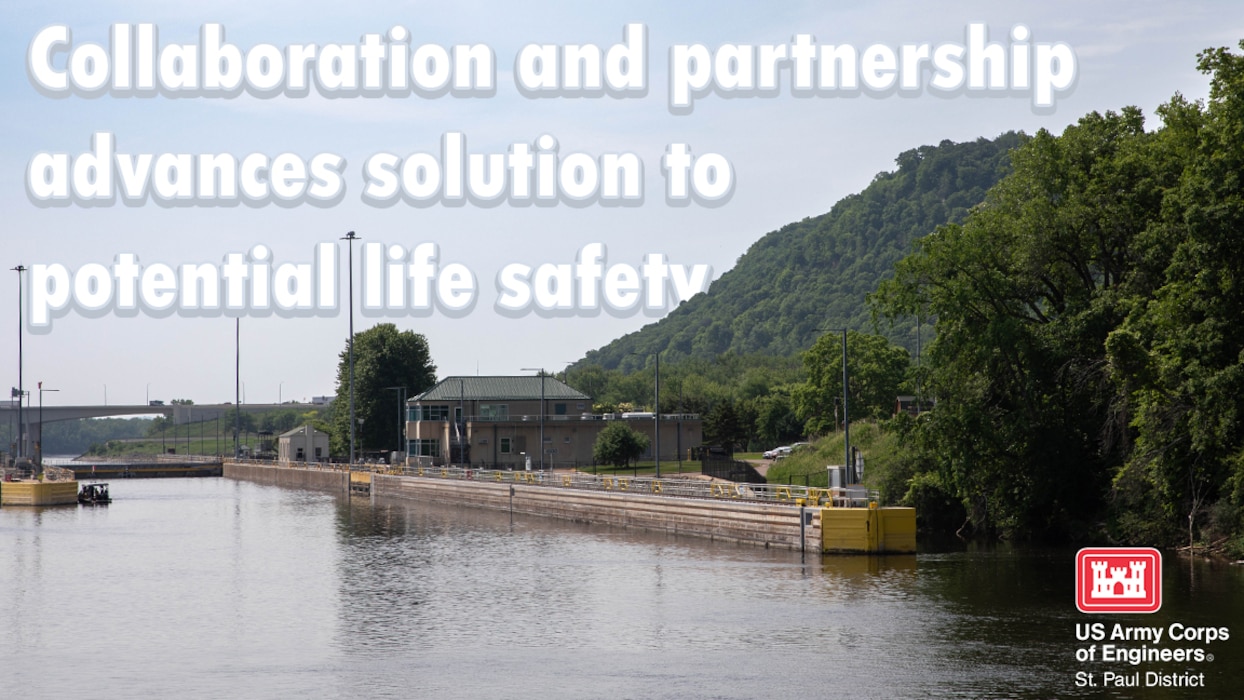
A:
837,476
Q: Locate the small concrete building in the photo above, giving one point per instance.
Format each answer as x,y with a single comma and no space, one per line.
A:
501,422
303,444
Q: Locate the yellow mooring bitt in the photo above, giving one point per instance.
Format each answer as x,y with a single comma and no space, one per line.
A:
870,530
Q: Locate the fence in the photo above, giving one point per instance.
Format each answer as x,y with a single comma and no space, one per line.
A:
849,497
731,470
682,487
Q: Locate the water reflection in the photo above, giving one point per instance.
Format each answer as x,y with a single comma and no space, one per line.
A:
211,588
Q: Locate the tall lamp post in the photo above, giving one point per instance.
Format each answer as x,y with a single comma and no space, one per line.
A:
39,444
350,343
846,409
541,371
401,400
237,388
656,409
21,389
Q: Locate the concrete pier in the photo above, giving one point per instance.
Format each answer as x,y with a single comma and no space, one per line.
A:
767,524
732,521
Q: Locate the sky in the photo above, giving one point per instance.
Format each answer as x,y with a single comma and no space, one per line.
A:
106,315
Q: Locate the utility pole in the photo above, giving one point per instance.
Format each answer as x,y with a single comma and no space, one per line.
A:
656,405
21,388
350,343
541,371
846,411
237,387
40,442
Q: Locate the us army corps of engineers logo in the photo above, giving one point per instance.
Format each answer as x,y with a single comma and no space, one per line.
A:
1118,580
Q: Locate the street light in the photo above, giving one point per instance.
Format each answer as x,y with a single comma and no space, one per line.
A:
39,444
237,390
656,410
541,371
401,400
21,389
846,412
350,343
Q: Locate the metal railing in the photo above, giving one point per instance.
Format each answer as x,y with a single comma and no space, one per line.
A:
848,497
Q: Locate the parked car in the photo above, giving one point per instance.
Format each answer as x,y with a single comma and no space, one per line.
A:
776,453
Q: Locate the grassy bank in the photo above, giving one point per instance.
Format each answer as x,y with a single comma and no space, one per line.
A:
191,439
881,449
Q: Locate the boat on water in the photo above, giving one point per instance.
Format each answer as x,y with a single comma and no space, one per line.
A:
94,494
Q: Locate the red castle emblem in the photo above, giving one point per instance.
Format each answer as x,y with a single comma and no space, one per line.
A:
1118,580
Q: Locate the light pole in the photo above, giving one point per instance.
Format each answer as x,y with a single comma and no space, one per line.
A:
21,389
656,410
541,371
39,444
401,399
237,387
846,408
350,343
280,388
846,412
656,418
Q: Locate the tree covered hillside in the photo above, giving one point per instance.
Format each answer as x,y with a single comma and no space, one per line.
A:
816,273
1089,359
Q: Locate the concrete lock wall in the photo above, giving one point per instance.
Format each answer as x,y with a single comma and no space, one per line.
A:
768,525
289,477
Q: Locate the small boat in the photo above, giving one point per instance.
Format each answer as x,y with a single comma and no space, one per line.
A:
94,494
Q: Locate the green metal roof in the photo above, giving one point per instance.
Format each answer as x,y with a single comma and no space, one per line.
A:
499,389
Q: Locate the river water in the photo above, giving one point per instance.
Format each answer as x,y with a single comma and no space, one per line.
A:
213,588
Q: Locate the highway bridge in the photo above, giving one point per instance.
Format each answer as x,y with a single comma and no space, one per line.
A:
179,413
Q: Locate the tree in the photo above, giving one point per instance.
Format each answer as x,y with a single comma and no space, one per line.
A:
876,370
1179,357
617,444
725,426
383,357
1029,428
776,422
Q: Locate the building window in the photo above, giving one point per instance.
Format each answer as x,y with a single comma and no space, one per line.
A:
428,413
495,411
423,448
505,446
433,412
559,409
